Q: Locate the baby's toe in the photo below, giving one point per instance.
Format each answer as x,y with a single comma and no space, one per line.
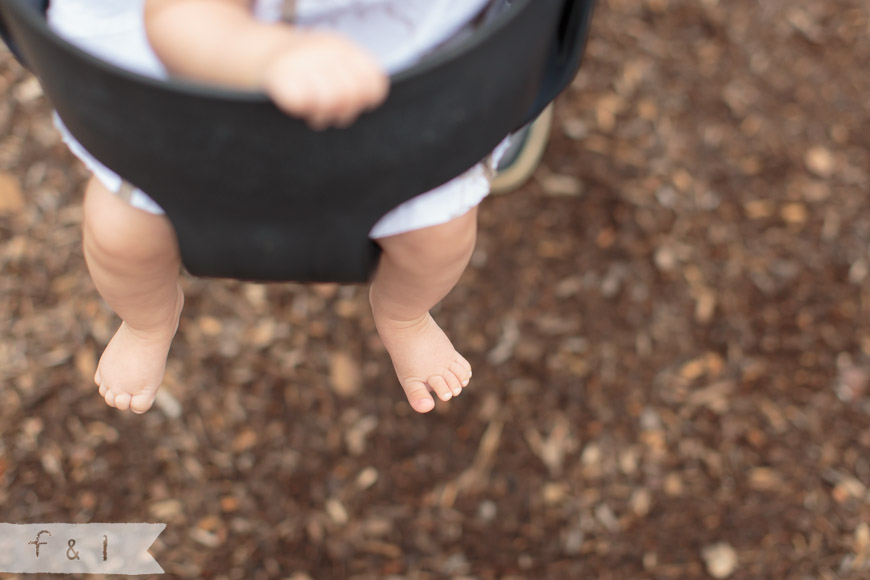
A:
141,403
110,398
122,401
462,374
440,386
453,383
419,397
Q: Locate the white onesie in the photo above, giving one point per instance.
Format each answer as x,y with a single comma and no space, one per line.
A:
397,32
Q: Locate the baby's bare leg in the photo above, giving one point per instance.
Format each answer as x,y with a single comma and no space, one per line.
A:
417,270
134,261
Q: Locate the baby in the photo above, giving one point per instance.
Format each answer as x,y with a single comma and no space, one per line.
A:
325,61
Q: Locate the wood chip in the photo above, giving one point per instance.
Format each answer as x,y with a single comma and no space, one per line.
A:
167,403
861,546
209,325
336,511
720,560
640,502
764,479
11,197
562,185
245,440
86,362
28,91
820,161
345,374
166,510
367,478
794,214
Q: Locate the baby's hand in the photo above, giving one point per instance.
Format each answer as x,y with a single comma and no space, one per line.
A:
325,79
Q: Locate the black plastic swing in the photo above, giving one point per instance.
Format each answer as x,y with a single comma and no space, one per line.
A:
254,194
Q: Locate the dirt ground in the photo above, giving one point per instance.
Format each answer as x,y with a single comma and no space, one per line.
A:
669,326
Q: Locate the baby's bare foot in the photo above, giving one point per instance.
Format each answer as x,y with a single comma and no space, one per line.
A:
424,359
132,366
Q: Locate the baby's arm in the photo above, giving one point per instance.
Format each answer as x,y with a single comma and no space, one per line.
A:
319,76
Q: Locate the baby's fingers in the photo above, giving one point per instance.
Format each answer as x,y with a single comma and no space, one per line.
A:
339,104
295,94
313,95
329,88
355,90
373,83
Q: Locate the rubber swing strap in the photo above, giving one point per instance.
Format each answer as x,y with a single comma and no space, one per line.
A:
255,194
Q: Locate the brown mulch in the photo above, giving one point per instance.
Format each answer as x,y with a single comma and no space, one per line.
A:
669,325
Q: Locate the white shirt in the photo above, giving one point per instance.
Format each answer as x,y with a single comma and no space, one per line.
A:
397,32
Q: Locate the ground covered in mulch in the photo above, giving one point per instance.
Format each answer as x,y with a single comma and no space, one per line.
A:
669,326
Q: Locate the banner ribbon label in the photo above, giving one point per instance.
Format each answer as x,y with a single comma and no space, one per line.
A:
78,548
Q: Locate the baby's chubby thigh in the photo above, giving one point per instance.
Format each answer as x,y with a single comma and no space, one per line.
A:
433,251
125,237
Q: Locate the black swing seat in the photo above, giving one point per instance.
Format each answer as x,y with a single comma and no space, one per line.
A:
256,195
